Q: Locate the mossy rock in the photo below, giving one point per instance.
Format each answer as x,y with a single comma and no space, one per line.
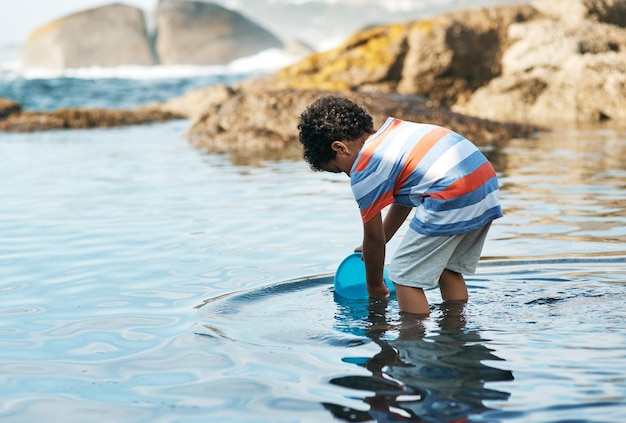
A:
368,58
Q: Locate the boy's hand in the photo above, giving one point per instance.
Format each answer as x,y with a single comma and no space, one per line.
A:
358,249
378,292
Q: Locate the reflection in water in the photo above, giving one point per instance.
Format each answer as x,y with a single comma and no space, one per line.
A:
425,375
106,249
566,187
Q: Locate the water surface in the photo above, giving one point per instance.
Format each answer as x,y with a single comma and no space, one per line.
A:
145,281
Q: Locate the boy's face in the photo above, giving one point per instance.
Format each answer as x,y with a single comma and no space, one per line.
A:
346,154
336,166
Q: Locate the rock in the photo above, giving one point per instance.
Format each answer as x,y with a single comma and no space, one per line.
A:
194,32
370,59
28,121
194,103
557,73
539,63
110,35
8,107
575,11
256,124
452,55
443,58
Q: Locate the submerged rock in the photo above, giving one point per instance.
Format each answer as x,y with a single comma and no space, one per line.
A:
199,33
111,35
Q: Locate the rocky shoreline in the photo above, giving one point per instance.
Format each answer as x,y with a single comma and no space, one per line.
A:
257,123
14,119
548,62
492,74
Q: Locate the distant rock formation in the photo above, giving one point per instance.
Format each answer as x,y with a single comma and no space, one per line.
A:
187,32
199,33
298,48
111,35
549,62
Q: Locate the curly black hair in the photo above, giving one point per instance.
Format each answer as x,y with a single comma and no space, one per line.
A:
330,119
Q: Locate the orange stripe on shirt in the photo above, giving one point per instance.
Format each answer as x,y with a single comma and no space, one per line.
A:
419,151
380,203
467,184
372,145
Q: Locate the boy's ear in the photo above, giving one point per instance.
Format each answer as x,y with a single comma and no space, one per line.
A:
338,146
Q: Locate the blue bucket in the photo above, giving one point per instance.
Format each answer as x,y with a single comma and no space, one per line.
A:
350,278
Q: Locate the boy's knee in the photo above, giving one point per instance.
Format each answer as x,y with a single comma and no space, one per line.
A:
452,286
412,300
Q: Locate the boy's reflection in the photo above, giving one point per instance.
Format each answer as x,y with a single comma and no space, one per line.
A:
437,376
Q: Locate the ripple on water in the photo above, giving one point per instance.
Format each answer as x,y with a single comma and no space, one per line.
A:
539,340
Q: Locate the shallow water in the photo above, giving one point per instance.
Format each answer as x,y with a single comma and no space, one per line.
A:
145,281
545,344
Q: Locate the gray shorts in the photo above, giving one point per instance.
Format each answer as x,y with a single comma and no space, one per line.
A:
420,259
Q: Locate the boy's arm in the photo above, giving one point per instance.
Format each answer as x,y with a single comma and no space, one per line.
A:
396,215
374,256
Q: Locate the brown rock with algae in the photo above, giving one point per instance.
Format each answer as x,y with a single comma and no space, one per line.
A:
31,121
256,124
551,62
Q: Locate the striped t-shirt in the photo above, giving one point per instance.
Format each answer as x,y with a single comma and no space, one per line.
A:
444,176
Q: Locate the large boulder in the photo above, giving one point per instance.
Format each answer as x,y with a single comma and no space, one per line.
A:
444,58
451,55
195,32
257,123
558,72
575,11
548,62
110,35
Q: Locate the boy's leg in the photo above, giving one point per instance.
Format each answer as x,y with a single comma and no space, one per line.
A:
452,286
463,260
412,300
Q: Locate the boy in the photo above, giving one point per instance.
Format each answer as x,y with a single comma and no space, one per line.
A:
407,165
